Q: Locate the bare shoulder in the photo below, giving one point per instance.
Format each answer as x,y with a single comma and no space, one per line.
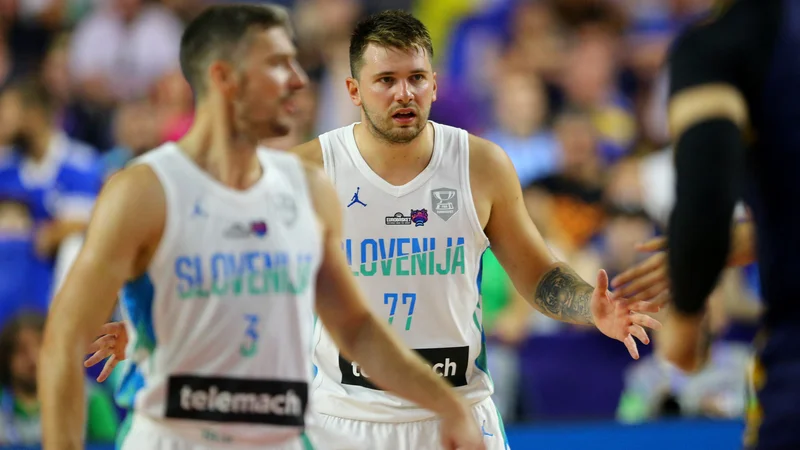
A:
489,164
487,156
134,199
137,185
127,223
310,152
316,176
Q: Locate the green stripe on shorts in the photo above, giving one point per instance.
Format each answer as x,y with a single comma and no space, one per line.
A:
307,445
502,428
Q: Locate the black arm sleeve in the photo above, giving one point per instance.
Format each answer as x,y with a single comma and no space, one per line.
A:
709,158
708,162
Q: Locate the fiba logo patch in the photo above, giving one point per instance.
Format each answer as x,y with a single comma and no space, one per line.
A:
445,202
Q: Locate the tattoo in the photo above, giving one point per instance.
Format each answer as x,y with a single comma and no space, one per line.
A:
563,295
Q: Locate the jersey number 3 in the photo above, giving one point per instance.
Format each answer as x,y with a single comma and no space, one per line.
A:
407,299
250,344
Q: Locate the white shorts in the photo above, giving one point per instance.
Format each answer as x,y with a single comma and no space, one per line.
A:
421,435
148,434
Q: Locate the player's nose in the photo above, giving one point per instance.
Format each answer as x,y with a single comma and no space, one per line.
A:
403,94
299,78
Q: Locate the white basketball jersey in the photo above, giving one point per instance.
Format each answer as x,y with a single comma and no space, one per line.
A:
221,322
416,252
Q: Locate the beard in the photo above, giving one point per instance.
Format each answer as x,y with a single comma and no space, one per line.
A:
386,131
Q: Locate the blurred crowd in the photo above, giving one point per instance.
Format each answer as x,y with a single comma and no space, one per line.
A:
573,90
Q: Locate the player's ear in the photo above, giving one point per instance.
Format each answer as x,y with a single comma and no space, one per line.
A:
354,91
435,87
222,78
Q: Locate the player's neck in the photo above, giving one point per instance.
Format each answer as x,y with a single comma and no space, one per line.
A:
394,162
229,158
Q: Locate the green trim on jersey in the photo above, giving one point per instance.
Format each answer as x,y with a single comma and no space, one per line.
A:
480,361
124,429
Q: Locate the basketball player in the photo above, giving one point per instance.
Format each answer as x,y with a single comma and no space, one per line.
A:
221,247
423,200
734,110
431,198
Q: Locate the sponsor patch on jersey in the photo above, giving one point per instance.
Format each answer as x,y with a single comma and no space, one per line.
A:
418,217
257,228
448,362
237,400
398,219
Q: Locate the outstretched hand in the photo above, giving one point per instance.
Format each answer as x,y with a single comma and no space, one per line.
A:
648,280
111,344
623,319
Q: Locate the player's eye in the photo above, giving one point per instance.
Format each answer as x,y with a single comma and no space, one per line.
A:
386,80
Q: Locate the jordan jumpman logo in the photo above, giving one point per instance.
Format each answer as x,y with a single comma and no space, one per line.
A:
355,199
483,430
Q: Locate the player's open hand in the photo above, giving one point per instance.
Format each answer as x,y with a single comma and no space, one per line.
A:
460,431
620,318
648,280
111,344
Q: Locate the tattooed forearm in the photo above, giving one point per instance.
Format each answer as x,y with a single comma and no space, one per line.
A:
563,295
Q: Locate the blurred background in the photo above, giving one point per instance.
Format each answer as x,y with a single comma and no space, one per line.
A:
573,90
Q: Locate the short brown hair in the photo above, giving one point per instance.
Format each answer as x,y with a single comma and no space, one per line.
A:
34,94
391,29
8,339
217,32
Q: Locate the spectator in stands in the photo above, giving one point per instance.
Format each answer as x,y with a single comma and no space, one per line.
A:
329,45
624,228
16,223
135,131
5,61
10,116
16,250
72,116
589,83
469,62
116,54
58,177
122,47
574,195
20,341
520,108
